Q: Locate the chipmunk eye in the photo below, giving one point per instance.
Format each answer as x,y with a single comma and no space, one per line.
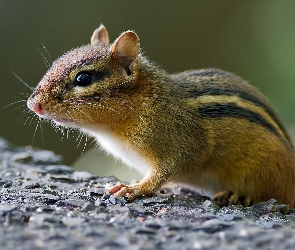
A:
83,79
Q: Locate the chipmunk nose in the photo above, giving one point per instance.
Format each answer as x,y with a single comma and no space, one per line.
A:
36,107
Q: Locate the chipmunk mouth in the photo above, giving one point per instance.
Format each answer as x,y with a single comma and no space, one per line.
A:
62,120
65,122
53,117
48,115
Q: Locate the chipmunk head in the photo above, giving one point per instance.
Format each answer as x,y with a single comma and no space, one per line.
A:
87,84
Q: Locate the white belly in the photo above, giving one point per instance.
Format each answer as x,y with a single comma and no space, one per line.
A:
120,149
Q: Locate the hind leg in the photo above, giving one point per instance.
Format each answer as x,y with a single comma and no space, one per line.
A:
231,198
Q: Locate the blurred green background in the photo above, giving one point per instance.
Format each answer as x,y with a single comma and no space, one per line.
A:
254,39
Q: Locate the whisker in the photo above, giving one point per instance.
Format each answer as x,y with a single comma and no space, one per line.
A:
72,132
26,94
47,53
38,122
47,64
100,104
8,105
132,109
93,142
17,108
67,133
115,111
84,114
31,88
24,112
107,107
70,117
41,129
85,144
128,105
30,115
32,118
81,137
62,133
78,137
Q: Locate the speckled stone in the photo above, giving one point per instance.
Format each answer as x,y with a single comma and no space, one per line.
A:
46,205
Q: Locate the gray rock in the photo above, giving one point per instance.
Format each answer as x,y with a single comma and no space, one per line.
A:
46,205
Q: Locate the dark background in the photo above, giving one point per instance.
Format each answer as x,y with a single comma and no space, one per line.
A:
254,39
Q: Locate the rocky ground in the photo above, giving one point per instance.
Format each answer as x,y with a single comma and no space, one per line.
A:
46,205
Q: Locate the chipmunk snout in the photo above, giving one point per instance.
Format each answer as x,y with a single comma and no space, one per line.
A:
35,106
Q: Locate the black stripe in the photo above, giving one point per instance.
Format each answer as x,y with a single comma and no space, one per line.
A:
209,72
247,97
231,110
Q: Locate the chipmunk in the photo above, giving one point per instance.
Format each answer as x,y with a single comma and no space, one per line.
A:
207,129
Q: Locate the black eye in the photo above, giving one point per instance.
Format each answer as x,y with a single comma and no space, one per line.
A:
83,79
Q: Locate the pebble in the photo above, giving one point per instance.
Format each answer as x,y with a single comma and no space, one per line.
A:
46,205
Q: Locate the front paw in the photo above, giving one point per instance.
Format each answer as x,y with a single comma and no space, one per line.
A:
130,191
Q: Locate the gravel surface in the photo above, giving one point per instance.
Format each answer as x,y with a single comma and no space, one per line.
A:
46,205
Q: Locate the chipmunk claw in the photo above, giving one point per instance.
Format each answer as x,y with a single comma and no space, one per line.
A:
116,188
222,198
131,192
230,198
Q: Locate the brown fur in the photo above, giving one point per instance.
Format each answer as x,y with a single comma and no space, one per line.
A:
156,115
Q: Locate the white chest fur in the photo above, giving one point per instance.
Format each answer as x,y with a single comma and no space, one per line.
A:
121,150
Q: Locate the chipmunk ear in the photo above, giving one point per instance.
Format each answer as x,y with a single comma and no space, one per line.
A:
100,35
126,49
